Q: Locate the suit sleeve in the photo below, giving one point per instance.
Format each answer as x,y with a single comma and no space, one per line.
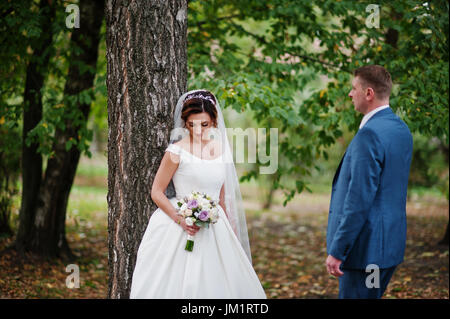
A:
366,163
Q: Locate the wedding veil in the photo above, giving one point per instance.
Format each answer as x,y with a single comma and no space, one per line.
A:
233,199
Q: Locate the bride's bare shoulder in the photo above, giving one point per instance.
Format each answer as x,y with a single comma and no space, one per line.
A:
183,143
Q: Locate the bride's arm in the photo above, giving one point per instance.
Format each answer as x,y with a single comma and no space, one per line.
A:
222,199
167,168
162,178
222,203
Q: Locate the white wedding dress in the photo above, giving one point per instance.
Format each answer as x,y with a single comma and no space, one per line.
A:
218,266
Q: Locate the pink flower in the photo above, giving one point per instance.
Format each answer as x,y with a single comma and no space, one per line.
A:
203,216
192,204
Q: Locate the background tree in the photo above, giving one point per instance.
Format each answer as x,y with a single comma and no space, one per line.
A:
32,114
9,174
12,51
53,133
147,72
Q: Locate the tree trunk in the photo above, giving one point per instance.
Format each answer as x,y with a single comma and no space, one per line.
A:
10,152
269,198
392,37
445,240
445,150
47,234
392,34
32,115
147,72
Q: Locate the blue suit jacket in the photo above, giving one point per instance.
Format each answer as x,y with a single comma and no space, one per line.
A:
367,217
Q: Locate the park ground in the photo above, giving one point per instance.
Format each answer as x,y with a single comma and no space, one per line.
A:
288,246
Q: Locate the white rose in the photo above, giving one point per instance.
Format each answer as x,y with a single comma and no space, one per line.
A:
183,207
189,221
204,202
188,212
214,214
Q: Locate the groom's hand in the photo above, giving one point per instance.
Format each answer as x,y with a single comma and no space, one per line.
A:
333,266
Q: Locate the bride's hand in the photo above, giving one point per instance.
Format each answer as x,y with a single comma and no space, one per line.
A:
191,230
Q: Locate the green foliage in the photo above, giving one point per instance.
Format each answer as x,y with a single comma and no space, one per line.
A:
263,57
10,152
287,64
15,37
429,166
18,33
98,121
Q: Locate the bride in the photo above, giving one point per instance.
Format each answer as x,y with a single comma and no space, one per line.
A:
198,158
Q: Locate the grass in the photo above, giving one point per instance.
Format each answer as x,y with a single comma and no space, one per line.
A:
85,200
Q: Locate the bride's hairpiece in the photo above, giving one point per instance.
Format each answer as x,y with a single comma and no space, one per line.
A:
199,95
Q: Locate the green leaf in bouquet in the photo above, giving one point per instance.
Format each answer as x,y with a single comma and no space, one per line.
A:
199,223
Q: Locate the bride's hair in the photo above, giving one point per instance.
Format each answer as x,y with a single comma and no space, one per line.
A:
198,102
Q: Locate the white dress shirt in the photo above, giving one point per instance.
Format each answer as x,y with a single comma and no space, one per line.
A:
372,113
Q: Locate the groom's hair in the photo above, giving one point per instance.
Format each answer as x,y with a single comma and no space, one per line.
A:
376,77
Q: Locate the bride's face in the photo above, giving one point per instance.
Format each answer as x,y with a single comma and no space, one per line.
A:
199,124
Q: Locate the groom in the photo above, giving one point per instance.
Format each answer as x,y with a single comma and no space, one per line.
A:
367,217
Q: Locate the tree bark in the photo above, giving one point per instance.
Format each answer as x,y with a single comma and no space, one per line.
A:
47,235
392,37
32,115
269,198
392,34
445,240
445,150
147,72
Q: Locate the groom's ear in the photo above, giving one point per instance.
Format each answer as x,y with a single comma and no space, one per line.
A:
370,93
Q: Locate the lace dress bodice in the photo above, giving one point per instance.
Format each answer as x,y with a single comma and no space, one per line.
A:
196,174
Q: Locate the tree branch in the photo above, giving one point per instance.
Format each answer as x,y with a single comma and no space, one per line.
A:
262,40
200,23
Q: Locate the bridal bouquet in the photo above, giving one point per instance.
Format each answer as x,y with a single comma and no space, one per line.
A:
197,209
